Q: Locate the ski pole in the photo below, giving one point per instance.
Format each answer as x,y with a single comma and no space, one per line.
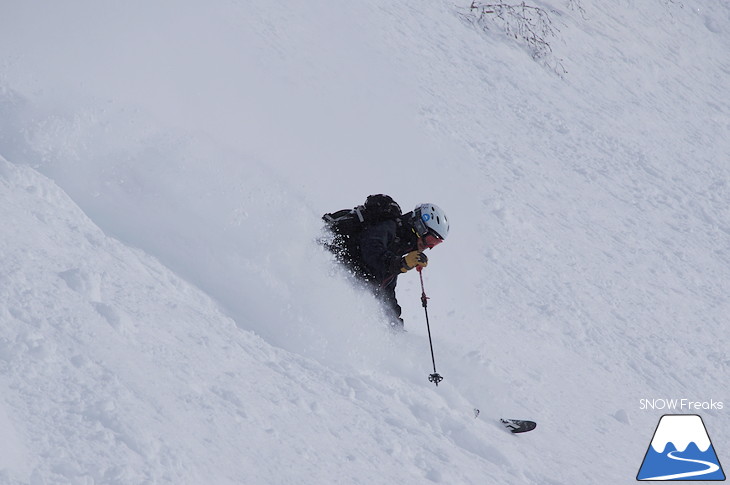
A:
435,377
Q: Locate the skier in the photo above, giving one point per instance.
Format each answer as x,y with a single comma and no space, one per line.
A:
385,244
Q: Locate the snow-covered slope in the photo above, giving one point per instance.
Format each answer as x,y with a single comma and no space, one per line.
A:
169,318
117,371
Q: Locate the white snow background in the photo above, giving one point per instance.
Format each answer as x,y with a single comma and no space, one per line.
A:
166,315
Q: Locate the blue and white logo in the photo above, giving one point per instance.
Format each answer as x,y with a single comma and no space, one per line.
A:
426,217
681,450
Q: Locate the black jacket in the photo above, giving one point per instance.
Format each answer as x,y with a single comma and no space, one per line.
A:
382,246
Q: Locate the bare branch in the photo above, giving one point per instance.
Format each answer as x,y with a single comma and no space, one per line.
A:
526,23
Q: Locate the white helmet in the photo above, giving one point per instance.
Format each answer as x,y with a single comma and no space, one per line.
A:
429,218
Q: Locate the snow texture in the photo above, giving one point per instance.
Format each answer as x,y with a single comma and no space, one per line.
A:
167,314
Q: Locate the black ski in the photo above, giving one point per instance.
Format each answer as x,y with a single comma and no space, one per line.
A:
514,425
518,425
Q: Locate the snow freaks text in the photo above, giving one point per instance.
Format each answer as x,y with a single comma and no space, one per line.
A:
680,404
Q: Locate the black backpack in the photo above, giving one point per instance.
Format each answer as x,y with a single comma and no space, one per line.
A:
346,225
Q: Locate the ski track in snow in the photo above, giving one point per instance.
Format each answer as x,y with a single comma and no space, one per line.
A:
169,318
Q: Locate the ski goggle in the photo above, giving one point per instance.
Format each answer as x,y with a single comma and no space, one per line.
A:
431,240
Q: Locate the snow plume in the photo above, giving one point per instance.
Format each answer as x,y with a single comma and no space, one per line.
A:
117,371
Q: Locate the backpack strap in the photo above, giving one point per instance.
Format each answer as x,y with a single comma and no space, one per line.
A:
358,212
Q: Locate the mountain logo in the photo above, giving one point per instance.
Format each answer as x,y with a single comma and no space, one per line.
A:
681,450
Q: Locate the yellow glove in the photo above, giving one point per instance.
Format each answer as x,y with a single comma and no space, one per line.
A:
413,259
